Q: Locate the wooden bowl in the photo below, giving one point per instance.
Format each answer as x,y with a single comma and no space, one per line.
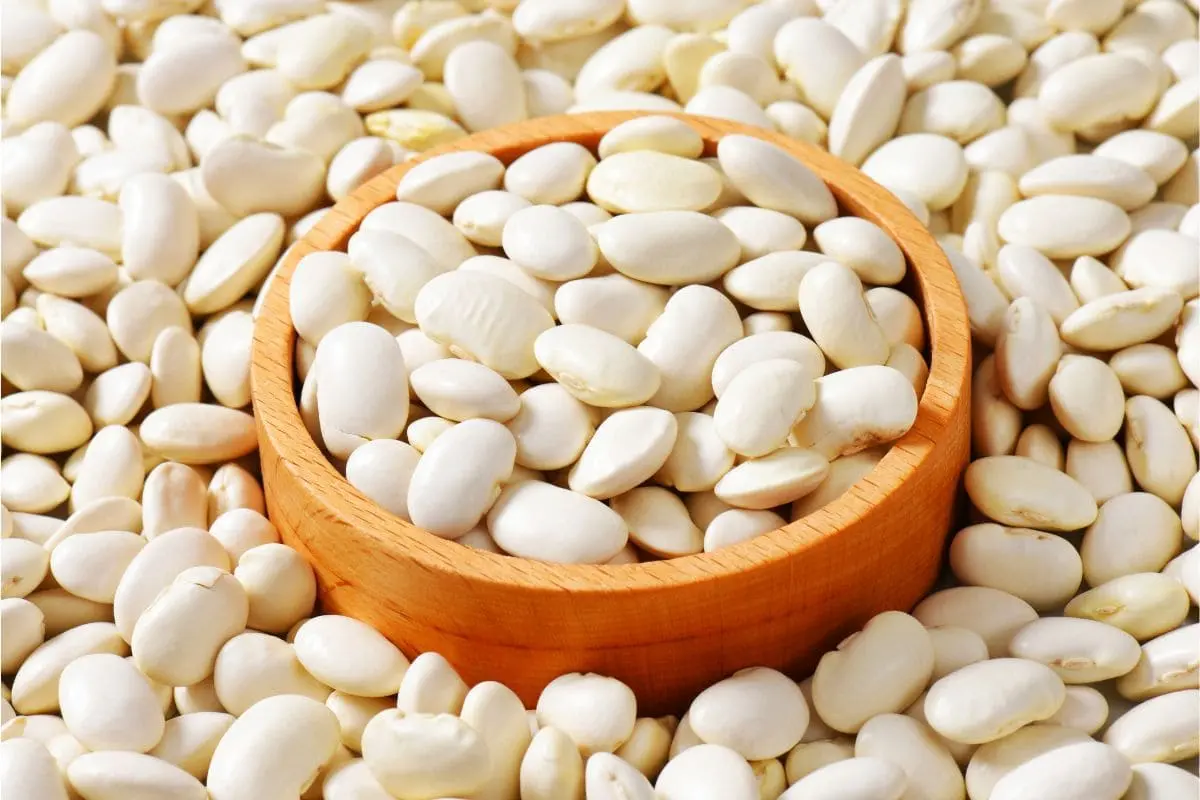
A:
666,628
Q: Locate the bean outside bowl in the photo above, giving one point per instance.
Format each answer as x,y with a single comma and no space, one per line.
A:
666,628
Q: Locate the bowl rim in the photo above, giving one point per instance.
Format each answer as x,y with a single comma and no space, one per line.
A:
278,421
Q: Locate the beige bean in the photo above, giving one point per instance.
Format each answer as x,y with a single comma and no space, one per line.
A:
1087,398
253,666
1109,552
280,585
1040,568
1158,449
1143,604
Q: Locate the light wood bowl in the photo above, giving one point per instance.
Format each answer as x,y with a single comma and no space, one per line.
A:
666,628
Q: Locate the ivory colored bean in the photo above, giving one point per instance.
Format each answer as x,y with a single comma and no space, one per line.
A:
851,779
138,313
25,566
993,614
608,776
987,700
627,448
552,174
770,345
915,749
1019,491
658,134
761,231
1158,449
1090,176
499,717
441,183
32,484
699,458
280,585
1122,319
155,567
761,405
108,705
1109,552
772,282
696,325
199,433
35,359
485,318
668,247
115,396
108,775
839,318
1162,729
658,522
781,477
1143,604
855,409
447,501
847,691
35,685
431,686
707,772
189,740
24,631
596,712
994,760
1071,772
772,178
818,59
425,228
206,602
929,165
1078,650
613,303
459,390
739,525
1040,568
1065,226
274,749
551,767
425,755
1160,780
1149,369
549,243
382,470
28,767
646,180
482,215
1097,89
112,467
91,566
173,497
954,648
1087,398
349,656
1167,665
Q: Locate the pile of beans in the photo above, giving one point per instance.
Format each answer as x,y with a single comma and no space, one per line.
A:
159,155
625,410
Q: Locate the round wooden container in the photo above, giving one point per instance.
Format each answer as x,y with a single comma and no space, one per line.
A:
666,628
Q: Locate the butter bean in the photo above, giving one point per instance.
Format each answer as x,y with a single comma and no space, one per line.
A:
895,165
108,705
1149,369
424,754
781,477
818,59
24,631
549,243
1078,650
374,666
1167,664
1019,491
70,271
91,566
205,601
684,359
915,749
1159,730
669,247
1040,568
993,614
1158,449
658,522
1020,692
199,433
273,750
1108,552
848,416
1122,319
1090,176
772,282
1087,398
431,686
448,502
707,772
108,775
1085,769
35,686
552,174
280,585
551,767
766,346
1144,604
441,183
627,448
613,303
253,666
741,417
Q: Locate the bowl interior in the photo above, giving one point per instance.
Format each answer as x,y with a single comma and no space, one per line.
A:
930,281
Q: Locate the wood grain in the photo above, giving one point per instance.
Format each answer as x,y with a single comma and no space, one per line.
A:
667,628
